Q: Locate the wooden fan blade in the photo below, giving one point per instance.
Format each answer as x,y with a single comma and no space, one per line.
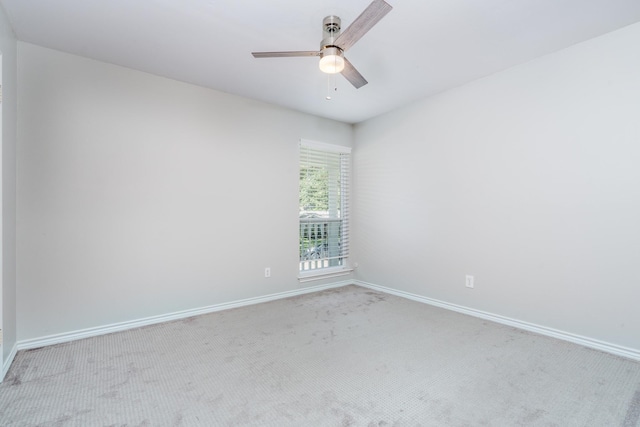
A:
350,73
363,23
285,54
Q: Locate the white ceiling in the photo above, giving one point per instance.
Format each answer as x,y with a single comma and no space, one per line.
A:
420,48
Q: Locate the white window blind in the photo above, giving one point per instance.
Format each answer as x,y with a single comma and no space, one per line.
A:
324,205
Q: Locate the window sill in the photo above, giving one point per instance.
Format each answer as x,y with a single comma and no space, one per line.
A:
324,274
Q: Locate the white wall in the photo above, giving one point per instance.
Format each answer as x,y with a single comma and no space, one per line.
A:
528,179
141,196
7,231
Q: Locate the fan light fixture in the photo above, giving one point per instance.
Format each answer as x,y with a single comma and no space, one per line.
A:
332,61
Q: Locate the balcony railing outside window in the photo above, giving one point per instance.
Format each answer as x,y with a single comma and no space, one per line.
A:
320,245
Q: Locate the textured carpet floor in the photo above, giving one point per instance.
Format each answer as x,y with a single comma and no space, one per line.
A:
342,357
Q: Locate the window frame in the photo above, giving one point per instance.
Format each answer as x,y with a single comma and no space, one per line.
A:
345,268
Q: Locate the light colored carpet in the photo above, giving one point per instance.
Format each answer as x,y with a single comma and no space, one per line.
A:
342,357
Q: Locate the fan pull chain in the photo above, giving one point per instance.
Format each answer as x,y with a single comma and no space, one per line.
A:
331,86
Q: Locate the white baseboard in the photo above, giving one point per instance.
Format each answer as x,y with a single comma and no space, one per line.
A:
123,326
617,350
7,363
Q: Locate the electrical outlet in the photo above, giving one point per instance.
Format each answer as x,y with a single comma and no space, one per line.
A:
267,272
468,281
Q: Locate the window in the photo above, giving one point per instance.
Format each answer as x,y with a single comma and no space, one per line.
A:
324,206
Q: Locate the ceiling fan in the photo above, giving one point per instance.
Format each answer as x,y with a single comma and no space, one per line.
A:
334,43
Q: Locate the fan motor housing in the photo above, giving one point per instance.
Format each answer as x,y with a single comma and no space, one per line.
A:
330,31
